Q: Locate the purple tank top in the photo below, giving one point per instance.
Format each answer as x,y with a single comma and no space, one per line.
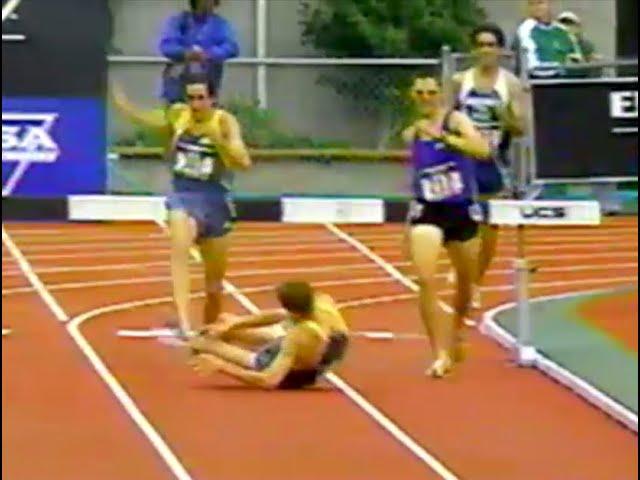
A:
441,175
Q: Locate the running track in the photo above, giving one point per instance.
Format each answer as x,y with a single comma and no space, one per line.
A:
79,403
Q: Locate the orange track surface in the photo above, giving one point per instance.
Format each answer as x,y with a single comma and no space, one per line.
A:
489,421
616,314
58,419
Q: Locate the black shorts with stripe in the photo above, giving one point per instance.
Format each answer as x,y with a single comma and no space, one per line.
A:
458,221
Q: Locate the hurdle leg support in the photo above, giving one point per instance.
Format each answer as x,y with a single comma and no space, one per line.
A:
525,351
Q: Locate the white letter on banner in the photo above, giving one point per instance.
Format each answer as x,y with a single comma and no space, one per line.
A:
10,140
623,104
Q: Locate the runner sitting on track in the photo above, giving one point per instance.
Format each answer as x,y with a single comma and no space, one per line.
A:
442,212
206,148
304,341
494,100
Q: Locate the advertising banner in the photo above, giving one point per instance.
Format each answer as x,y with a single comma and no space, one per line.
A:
54,71
53,147
586,129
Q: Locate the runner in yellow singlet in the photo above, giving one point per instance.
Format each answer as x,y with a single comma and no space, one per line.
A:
206,149
288,349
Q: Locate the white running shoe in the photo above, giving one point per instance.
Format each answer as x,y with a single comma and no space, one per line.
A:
441,367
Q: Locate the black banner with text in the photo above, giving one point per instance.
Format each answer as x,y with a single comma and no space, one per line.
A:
586,129
54,48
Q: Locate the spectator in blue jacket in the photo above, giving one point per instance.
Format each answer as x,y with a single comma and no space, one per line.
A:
196,41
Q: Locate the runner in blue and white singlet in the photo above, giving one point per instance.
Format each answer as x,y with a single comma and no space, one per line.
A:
483,107
444,144
493,99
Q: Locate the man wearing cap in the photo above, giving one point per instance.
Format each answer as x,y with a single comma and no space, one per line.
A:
585,50
606,193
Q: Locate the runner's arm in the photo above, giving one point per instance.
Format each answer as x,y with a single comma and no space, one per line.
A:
468,140
409,134
232,147
146,118
513,116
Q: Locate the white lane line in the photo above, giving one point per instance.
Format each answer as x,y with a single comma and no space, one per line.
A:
351,393
160,445
59,236
380,262
600,399
409,280
161,252
346,282
150,252
238,273
159,333
555,371
380,418
505,240
130,248
296,258
144,244
101,369
34,280
329,243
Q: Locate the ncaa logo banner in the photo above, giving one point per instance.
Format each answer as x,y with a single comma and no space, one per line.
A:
53,147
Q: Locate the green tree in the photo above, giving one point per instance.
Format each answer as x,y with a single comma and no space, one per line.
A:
385,29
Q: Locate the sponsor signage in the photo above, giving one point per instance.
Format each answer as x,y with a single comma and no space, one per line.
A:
53,147
586,129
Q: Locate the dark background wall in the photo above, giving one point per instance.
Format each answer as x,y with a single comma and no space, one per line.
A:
64,53
627,32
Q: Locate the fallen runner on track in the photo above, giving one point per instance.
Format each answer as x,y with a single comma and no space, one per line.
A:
289,349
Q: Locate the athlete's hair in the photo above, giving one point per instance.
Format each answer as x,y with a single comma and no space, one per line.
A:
296,297
199,79
426,76
491,28
193,4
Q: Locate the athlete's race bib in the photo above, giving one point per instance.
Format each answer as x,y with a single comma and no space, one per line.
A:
439,186
194,165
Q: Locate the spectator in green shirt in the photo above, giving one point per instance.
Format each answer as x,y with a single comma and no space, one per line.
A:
546,43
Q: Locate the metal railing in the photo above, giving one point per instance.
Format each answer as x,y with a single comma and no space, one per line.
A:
261,81
448,63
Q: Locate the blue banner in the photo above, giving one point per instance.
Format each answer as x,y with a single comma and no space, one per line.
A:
53,146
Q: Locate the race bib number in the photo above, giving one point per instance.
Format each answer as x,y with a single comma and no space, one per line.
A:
194,165
442,185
